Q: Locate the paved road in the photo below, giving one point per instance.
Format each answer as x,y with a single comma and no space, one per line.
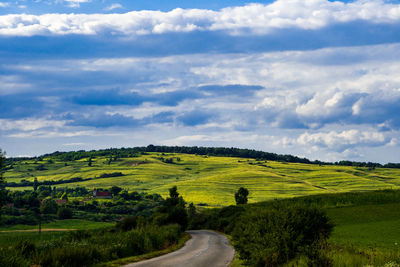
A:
204,249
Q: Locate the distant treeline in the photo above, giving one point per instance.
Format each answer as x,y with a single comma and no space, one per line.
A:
25,183
115,153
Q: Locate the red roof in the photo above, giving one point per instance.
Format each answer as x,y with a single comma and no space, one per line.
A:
103,194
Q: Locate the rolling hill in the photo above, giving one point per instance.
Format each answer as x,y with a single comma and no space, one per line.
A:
202,179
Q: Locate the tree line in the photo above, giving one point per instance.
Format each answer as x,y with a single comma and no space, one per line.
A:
115,153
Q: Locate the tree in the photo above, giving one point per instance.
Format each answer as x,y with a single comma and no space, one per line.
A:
278,234
64,213
173,192
90,162
49,207
115,190
191,210
175,210
2,160
2,191
241,196
35,184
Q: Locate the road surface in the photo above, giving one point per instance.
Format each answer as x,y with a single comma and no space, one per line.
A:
204,249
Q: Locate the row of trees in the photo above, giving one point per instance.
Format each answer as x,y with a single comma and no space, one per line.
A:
115,153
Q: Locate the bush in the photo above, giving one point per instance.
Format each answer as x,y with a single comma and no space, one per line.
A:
64,213
75,256
49,207
270,237
127,223
25,247
11,258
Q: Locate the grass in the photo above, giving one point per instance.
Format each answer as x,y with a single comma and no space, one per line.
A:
12,238
211,180
185,237
61,224
367,226
12,235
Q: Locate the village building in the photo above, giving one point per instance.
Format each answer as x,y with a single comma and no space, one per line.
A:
101,194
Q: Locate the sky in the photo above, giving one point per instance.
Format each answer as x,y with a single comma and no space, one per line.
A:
313,78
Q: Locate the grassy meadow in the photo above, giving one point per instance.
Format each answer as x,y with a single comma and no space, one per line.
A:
207,180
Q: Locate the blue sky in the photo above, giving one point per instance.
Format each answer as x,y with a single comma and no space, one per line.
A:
314,78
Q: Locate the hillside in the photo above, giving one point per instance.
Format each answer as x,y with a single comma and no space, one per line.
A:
201,179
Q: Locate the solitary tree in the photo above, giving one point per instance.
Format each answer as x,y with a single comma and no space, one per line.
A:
174,209
241,196
173,192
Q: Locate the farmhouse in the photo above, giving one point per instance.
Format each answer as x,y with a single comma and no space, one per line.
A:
103,194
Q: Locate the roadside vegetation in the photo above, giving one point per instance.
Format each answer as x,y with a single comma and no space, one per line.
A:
131,236
347,229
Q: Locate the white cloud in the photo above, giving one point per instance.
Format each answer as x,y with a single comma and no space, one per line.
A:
249,19
29,124
76,3
6,4
113,6
340,141
351,108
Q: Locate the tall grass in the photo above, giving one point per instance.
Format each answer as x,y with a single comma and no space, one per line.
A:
87,248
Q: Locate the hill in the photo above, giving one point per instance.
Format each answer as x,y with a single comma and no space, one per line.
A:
202,179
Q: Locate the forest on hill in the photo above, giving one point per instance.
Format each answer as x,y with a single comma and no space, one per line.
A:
210,151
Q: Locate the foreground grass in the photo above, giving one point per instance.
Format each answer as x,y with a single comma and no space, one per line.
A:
366,235
72,224
367,226
10,236
210,180
185,237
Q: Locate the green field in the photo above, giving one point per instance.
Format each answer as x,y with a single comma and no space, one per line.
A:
368,226
12,235
207,179
70,224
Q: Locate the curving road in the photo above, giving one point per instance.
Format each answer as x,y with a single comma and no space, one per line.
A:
205,248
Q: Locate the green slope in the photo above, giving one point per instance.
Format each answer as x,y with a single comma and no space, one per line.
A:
206,179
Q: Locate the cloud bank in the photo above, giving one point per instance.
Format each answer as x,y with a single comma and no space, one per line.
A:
256,19
312,78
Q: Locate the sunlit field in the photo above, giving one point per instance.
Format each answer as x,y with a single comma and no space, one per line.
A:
207,180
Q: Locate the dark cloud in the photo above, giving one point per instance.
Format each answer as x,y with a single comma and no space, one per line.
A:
175,97
289,121
100,120
111,97
194,118
378,109
354,33
20,106
162,117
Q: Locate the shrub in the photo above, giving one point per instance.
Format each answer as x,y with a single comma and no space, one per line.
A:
49,207
270,237
127,223
64,213
11,258
75,256
25,247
